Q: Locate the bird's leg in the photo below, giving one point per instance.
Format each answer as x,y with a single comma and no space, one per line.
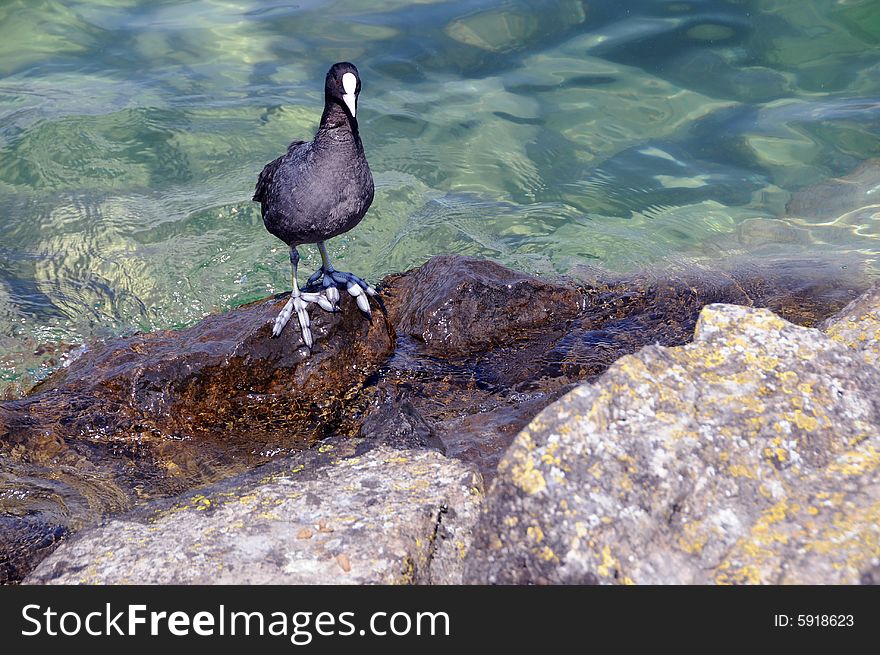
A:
355,286
298,302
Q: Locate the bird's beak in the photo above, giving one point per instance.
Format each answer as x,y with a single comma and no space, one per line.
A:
350,102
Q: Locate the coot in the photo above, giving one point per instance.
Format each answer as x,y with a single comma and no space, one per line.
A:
318,190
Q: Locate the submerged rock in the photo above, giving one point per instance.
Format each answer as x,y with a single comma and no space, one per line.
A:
850,198
748,456
386,517
398,424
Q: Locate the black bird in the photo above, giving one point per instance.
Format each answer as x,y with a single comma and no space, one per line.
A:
318,190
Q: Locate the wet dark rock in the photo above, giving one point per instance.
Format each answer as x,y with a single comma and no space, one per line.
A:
23,540
398,424
747,456
223,375
478,371
384,517
460,305
156,414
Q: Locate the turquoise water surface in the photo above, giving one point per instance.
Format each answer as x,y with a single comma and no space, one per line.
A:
539,134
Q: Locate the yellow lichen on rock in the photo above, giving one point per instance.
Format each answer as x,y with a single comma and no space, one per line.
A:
724,460
524,472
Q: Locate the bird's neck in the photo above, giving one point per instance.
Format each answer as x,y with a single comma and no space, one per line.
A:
337,124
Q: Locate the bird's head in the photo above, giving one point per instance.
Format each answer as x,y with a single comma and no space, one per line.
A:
343,84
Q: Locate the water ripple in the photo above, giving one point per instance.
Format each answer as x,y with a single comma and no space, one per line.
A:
545,137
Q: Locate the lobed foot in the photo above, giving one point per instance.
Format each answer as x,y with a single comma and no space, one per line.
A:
356,287
299,303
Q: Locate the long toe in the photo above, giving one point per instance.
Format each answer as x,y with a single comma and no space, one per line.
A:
301,305
360,297
364,304
343,278
310,297
325,303
282,318
339,277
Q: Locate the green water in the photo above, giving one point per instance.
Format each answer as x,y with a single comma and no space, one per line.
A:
539,134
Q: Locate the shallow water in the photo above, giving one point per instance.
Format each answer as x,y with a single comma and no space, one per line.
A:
542,135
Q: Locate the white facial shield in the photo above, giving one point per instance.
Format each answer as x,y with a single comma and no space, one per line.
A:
349,84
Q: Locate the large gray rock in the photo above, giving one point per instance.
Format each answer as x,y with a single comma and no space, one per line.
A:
858,325
388,516
751,455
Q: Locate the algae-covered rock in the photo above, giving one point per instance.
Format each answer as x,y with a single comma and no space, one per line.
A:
748,456
388,516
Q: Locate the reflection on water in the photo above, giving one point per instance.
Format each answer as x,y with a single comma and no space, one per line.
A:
542,135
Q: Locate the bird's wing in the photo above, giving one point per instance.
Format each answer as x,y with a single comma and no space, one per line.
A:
265,179
294,146
268,172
